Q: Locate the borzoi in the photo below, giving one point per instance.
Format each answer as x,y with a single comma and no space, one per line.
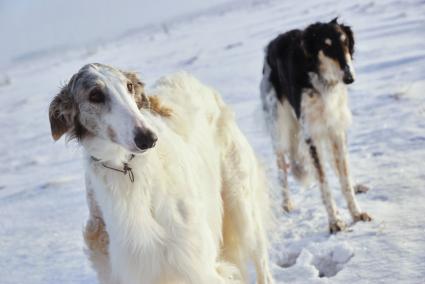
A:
304,97
175,192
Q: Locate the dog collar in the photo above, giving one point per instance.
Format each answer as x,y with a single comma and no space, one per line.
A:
125,170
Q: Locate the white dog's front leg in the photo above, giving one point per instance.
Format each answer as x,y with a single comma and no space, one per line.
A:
214,274
97,239
197,259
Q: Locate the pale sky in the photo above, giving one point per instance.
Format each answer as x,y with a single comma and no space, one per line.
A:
34,25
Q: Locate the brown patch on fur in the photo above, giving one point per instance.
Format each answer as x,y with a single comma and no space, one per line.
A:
61,114
155,106
348,33
316,161
281,162
283,179
362,217
336,62
95,235
64,117
142,101
111,134
333,60
313,108
138,90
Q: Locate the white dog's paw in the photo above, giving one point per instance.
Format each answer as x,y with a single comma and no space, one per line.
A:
230,273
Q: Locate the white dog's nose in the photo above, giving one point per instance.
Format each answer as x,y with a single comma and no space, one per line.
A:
144,138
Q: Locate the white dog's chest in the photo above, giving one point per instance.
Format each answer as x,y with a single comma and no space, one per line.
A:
158,216
151,213
141,230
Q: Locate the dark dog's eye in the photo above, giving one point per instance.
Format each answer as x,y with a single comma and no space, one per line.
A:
96,96
327,43
130,87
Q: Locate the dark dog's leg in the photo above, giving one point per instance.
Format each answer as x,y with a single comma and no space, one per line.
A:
335,223
342,170
283,180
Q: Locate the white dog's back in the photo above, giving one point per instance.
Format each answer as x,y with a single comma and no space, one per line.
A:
197,209
247,214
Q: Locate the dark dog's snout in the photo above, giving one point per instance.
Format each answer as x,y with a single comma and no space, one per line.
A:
348,76
144,138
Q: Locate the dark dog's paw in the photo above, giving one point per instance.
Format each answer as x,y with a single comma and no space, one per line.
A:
337,226
360,188
364,217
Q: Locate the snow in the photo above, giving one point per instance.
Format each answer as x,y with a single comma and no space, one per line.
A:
42,200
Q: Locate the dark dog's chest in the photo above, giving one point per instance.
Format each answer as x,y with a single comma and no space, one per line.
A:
325,110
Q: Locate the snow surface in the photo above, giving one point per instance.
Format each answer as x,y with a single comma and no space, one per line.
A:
42,200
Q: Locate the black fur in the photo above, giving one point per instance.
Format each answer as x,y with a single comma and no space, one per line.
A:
292,55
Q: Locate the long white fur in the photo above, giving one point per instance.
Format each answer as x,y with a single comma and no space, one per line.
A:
198,208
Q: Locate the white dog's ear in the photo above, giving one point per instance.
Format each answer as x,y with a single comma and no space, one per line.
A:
142,100
139,90
61,114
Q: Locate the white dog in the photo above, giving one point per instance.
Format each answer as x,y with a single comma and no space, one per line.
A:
176,194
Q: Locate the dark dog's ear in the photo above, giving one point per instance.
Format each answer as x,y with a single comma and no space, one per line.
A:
61,114
139,90
334,21
350,37
309,39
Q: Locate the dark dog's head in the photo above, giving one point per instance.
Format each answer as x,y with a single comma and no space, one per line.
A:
100,107
331,46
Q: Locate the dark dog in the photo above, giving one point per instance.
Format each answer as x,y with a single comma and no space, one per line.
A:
304,97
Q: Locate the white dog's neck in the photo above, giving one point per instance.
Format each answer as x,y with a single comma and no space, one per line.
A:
106,159
101,151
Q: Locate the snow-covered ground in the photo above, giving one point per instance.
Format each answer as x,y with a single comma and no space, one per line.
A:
42,201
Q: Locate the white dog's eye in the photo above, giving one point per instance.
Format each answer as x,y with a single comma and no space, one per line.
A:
96,96
130,87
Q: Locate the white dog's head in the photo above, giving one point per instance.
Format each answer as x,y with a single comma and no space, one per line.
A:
100,106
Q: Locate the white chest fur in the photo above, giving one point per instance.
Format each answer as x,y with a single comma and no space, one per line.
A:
162,213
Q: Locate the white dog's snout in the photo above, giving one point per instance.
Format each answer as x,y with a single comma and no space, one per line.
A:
144,138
